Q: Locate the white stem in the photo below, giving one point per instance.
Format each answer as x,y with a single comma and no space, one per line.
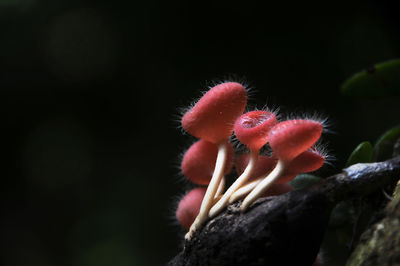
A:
264,185
220,189
218,194
224,201
216,199
243,191
208,199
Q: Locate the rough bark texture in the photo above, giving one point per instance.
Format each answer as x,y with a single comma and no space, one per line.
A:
283,230
380,244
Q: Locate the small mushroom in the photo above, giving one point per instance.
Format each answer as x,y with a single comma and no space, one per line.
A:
308,161
212,119
198,162
287,139
189,207
252,130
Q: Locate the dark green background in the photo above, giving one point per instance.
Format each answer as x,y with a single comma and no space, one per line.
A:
90,100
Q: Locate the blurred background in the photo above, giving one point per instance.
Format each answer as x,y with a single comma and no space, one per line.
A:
91,93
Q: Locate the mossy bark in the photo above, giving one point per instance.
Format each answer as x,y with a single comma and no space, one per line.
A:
380,244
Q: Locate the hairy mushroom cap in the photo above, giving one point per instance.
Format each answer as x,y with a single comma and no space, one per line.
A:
290,138
264,165
199,161
308,161
213,116
189,207
252,128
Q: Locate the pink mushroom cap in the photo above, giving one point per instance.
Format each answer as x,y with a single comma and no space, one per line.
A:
290,138
199,161
252,128
189,207
213,116
308,161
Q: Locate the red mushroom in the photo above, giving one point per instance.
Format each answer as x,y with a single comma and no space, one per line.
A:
198,163
189,207
265,164
308,161
287,139
252,130
212,119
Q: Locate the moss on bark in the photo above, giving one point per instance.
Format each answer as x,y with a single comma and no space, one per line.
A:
380,244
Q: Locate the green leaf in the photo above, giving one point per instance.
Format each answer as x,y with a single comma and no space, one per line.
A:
384,146
363,153
304,181
381,80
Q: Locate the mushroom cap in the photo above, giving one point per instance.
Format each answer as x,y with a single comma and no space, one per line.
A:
287,177
277,189
213,116
199,161
290,138
252,128
264,165
189,207
308,161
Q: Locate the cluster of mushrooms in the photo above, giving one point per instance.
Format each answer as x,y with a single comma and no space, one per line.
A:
219,114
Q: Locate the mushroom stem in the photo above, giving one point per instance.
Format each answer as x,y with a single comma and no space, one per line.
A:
224,201
244,190
264,184
211,189
218,194
220,189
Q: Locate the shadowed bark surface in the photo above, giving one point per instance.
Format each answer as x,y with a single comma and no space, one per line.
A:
380,244
282,230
